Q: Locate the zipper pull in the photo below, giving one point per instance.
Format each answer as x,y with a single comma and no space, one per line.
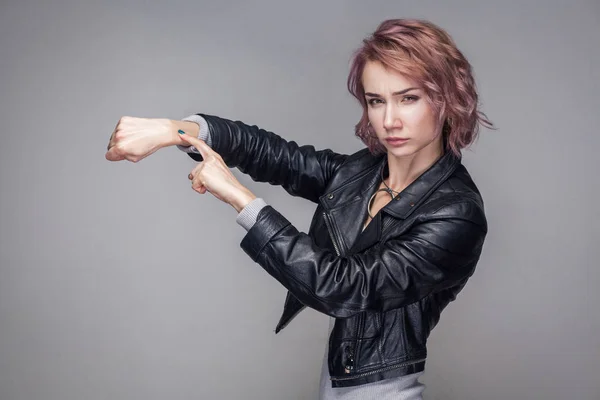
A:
349,363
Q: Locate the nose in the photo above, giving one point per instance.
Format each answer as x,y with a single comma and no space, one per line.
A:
391,119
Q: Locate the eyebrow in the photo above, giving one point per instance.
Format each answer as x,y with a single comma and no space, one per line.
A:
393,94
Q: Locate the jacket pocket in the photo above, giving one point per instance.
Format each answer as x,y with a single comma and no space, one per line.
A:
393,341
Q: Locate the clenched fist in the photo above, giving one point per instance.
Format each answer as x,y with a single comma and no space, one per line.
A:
136,138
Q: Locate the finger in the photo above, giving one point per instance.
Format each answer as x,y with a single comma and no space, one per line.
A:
201,145
198,186
113,155
194,177
112,135
201,189
110,141
198,183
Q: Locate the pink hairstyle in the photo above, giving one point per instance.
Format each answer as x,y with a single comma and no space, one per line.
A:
426,54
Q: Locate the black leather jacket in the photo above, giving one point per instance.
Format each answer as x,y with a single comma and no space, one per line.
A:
386,288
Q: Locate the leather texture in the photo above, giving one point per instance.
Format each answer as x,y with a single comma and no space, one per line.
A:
387,285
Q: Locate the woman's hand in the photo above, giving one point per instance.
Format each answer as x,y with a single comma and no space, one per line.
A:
214,176
136,138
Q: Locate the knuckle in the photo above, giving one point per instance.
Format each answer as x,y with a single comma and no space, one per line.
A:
124,122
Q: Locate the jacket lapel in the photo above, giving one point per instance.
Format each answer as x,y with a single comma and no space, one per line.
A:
347,204
417,192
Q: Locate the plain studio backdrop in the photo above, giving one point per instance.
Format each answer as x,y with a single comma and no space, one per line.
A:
117,281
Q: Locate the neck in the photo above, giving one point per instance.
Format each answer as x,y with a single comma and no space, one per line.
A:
402,171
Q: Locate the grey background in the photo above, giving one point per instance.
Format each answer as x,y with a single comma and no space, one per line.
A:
117,281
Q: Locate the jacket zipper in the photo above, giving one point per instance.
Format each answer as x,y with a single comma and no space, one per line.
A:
331,233
377,371
359,329
337,251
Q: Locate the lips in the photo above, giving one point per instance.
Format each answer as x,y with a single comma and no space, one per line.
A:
396,142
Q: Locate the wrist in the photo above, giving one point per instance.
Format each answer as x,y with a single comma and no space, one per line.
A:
188,127
241,199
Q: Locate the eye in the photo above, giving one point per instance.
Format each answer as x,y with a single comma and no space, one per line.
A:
373,102
410,99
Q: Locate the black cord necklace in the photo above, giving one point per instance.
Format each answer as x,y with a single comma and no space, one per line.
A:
386,189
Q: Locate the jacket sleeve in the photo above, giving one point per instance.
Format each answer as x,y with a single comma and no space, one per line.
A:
266,157
433,255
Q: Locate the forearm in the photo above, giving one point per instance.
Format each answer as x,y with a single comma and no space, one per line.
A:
266,157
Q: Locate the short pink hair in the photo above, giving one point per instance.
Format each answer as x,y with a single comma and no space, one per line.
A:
426,54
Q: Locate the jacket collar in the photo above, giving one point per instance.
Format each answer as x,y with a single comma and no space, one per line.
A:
419,190
366,181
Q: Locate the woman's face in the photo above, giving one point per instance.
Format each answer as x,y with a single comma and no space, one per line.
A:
398,108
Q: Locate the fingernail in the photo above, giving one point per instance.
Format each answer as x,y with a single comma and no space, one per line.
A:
181,132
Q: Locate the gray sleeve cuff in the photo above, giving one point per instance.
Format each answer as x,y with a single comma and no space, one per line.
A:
247,217
204,133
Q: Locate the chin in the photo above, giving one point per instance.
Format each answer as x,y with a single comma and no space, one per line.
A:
401,151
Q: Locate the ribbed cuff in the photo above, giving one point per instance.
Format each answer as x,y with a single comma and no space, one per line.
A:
247,217
268,223
202,135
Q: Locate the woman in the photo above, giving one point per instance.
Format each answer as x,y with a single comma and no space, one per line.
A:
399,226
